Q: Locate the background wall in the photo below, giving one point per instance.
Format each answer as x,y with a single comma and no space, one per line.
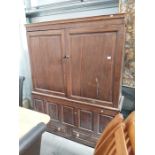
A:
24,64
128,7
38,10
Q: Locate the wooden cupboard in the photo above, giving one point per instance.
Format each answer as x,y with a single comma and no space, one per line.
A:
76,69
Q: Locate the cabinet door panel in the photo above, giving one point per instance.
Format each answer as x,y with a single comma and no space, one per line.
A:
91,63
68,115
86,120
46,49
38,105
103,121
53,110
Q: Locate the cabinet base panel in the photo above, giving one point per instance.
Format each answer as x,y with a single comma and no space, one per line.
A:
82,123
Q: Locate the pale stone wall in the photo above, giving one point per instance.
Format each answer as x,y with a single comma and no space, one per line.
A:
128,7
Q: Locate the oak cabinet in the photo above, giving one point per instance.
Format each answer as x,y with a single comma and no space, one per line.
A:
76,71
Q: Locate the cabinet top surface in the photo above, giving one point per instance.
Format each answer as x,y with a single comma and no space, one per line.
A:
84,19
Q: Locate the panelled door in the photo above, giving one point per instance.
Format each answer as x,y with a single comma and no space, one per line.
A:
47,52
91,52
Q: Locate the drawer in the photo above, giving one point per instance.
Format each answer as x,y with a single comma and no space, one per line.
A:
56,127
86,137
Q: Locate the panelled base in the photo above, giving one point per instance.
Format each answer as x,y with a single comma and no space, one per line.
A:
77,121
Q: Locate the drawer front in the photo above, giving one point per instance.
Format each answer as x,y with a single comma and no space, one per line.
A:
84,136
56,128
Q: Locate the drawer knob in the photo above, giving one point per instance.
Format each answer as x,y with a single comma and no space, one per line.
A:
59,128
108,57
77,135
102,111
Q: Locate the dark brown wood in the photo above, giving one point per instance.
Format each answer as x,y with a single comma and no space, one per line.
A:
103,121
74,103
53,110
117,19
78,122
38,105
91,64
86,120
76,72
46,53
68,115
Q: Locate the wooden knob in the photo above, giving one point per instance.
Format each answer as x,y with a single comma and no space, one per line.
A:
59,128
108,57
77,135
102,111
